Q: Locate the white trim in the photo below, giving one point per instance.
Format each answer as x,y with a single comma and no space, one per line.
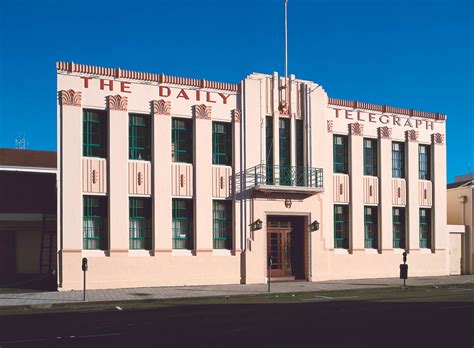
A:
28,169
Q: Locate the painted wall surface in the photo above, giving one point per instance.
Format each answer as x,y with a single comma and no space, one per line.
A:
246,107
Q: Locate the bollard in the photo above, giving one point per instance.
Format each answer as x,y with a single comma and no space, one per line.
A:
84,270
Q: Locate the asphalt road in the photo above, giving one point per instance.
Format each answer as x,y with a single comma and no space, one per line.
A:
425,318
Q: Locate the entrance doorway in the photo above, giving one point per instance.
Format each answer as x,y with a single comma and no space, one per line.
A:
286,246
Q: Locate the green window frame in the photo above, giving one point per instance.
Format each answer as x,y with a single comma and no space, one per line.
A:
399,235
182,140
424,162
340,154
222,224
140,223
371,227
300,170
285,151
182,223
94,133
94,227
341,227
370,157
221,143
139,137
269,149
398,160
425,228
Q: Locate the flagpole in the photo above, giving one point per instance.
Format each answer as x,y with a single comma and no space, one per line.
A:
286,49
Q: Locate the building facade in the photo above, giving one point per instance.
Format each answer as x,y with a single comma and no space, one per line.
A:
166,180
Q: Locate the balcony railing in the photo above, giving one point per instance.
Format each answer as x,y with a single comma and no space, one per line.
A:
283,176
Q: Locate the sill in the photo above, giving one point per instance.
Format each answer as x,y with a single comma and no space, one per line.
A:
371,251
341,251
425,251
139,252
221,252
182,252
398,251
94,253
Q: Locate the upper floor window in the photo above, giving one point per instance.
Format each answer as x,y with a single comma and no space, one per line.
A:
94,133
221,143
398,227
371,227
139,137
182,223
340,154
182,140
94,226
285,173
425,228
140,223
341,227
370,157
398,160
222,224
424,164
269,149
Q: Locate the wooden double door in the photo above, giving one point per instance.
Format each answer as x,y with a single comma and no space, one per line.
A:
279,248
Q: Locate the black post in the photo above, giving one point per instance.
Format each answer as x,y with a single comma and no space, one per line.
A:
84,270
269,271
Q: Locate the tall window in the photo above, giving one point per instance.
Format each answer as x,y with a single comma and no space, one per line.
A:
269,148
140,223
300,171
94,226
222,224
139,137
398,217
285,147
424,164
371,227
221,143
341,227
182,140
182,224
340,154
94,133
370,157
398,160
425,228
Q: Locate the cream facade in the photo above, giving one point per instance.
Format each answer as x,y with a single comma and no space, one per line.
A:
238,174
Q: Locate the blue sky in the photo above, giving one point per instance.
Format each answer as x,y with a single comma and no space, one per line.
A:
407,53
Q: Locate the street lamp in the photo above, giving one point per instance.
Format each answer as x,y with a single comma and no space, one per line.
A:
314,226
257,225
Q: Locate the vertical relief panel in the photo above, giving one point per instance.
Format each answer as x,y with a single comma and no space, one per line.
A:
269,95
94,175
371,190
425,195
341,188
139,178
399,192
221,181
182,179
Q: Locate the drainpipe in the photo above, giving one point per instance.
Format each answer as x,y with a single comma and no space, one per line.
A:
467,246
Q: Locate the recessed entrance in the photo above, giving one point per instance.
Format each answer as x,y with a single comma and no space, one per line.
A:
286,246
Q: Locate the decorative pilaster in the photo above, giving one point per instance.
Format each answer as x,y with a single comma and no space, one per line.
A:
385,132
202,112
70,98
411,135
161,107
437,138
330,126
117,103
236,115
356,129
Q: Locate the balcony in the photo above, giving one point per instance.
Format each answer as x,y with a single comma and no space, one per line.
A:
285,179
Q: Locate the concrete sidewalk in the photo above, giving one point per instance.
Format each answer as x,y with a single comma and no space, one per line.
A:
45,298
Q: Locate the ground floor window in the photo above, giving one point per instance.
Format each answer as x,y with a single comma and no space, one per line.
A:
341,227
182,223
222,224
398,219
425,228
371,227
140,223
94,227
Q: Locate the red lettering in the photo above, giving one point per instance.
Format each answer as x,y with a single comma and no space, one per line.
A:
407,122
124,87
110,84
198,95
380,119
417,123
337,113
162,91
396,121
224,97
86,81
358,117
182,94
430,124
372,118
208,98
348,115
